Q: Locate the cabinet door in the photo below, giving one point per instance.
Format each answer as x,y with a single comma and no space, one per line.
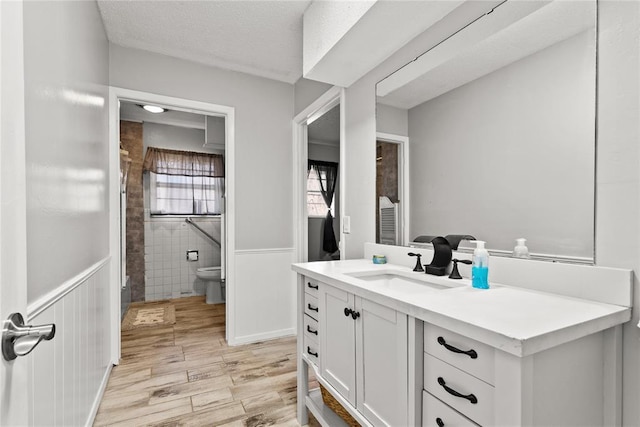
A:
337,341
381,349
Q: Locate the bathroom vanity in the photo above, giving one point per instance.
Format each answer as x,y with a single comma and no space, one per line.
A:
399,348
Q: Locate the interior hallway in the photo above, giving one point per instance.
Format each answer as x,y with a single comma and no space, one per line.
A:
186,375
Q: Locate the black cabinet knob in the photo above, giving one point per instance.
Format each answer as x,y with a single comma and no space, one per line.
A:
347,311
439,422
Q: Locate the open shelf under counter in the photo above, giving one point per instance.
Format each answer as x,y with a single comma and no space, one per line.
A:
322,412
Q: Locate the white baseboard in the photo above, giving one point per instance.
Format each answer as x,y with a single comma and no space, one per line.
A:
98,399
248,339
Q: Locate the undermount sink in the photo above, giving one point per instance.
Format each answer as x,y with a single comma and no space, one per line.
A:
398,280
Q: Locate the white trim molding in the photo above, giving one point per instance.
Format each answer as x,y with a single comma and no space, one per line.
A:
263,251
50,298
328,100
403,182
181,104
248,339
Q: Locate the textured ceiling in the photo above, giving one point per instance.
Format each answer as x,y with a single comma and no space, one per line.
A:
262,38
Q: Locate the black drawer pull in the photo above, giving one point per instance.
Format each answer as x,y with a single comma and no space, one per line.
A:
439,422
470,397
347,311
471,353
355,314
311,330
311,286
311,352
312,308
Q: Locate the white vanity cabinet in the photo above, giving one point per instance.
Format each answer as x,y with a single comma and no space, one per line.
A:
363,347
469,383
310,334
408,355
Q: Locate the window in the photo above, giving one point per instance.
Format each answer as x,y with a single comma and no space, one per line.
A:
316,207
184,182
185,195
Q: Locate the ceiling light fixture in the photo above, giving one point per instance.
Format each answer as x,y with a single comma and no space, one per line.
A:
153,109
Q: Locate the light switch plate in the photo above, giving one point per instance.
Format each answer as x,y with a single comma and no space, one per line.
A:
346,224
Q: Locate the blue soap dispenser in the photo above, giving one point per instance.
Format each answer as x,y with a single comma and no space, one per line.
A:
480,267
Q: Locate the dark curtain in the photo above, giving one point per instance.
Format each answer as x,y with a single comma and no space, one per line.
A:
328,176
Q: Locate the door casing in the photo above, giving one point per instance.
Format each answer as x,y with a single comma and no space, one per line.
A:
115,95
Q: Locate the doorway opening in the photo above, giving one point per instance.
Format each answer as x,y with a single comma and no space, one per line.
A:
392,190
172,203
323,187
310,142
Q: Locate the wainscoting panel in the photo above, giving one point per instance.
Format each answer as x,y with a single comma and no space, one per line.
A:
264,295
68,373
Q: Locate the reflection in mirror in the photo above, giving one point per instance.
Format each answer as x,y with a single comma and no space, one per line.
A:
323,188
501,124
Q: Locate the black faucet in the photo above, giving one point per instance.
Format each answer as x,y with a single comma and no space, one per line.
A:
454,239
418,266
441,257
455,274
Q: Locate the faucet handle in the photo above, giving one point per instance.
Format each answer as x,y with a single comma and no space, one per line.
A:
418,266
455,274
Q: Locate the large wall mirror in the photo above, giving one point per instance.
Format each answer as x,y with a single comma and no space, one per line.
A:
502,126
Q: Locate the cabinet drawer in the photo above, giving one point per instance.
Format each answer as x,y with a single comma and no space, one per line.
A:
311,328
311,286
476,359
311,349
437,414
443,381
311,306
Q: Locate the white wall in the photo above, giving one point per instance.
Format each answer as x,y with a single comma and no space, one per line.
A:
392,120
66,77
263,133
618,170
173,138
305,92
511,154
263,171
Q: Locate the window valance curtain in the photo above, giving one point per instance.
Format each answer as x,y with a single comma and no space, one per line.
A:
185,163
328,176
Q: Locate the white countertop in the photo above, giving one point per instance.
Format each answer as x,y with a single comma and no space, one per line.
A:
515,320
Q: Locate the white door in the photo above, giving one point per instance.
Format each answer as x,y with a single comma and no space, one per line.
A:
381,364
13,280
337,343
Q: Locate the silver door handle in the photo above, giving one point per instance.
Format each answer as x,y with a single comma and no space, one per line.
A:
19,339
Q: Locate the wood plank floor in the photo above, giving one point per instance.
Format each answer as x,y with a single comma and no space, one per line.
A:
186,375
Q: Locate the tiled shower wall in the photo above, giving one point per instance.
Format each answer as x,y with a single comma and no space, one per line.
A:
168,274
131,140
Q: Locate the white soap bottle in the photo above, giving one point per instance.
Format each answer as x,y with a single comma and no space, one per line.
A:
521,250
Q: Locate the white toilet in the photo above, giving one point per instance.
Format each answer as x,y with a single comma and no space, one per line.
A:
215,286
